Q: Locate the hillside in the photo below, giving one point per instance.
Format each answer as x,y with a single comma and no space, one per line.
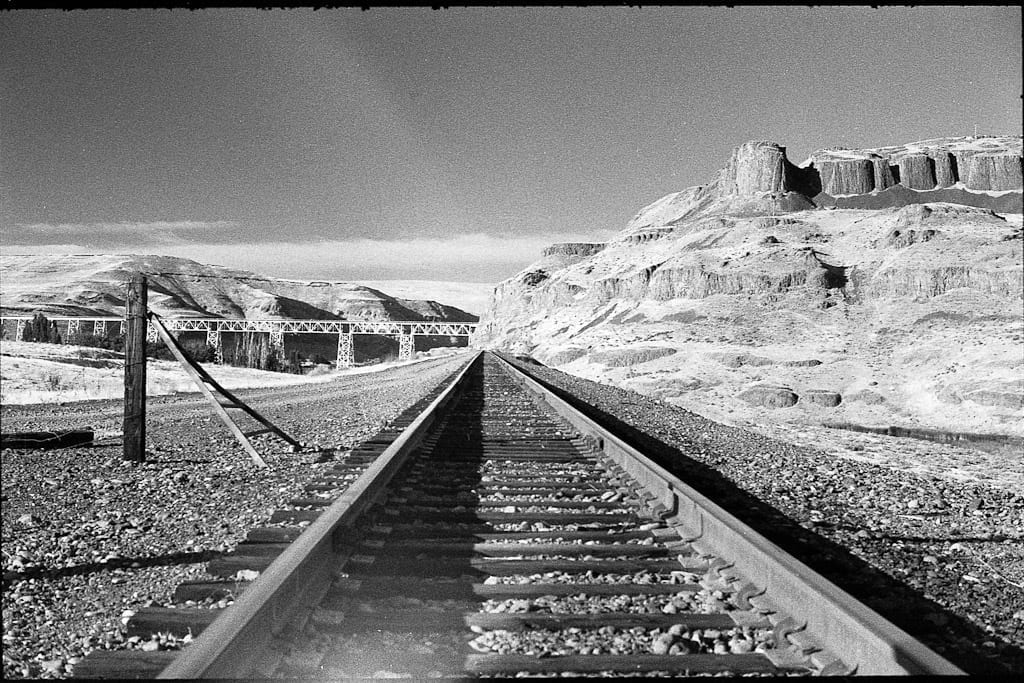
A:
877,286
93,285
469,296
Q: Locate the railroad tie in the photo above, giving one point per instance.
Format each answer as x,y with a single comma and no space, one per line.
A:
506,542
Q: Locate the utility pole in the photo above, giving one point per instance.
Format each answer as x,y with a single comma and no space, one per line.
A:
135,312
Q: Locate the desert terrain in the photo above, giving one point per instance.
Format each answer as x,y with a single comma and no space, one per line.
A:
801,295
735,325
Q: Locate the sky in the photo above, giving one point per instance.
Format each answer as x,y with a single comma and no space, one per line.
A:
447,145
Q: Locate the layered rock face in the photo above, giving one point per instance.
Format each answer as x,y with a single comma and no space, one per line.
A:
945,168
917,171
979,164
756,167
574,249
996,172
870,313
852,174
759,179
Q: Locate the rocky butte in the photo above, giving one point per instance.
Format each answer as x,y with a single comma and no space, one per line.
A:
875,286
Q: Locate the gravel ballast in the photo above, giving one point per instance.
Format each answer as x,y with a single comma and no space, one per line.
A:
88,537
941,557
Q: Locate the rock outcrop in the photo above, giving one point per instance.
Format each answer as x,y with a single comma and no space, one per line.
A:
768,396
755,167
869,397
917,171
898,239
822,397
997,172
945,168
759,289
979,164
759,179
621,358
574,249
850,174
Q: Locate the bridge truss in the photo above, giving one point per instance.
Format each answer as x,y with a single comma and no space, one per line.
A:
403,330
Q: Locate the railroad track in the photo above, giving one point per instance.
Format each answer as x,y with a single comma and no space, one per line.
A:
497,532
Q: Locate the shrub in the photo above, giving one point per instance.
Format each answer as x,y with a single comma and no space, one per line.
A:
99,342
293,363
253,350
199,351
158,350
40,329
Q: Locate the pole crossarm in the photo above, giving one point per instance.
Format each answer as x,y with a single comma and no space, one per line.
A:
226,400
381,327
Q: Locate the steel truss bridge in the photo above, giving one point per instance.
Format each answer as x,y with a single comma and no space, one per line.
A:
405,331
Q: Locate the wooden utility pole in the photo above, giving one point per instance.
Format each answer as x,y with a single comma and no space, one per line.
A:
135,370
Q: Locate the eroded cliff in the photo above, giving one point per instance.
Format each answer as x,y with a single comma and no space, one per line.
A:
986,164
907,313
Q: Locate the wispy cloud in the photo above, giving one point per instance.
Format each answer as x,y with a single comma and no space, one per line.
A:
472,257
126,233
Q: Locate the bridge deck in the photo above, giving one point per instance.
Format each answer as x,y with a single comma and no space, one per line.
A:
401,327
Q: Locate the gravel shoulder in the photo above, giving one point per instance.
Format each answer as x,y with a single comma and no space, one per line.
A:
937,549
87,537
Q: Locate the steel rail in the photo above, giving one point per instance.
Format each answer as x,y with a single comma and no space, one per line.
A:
236,644
863,639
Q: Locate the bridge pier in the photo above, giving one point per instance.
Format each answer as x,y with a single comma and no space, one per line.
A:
151,336
19,332
277,339
74,326
99,328
213,339
345,357
406,346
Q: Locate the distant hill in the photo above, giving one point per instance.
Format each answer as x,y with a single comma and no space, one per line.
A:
469,296
94,285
